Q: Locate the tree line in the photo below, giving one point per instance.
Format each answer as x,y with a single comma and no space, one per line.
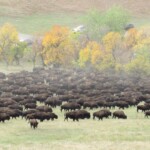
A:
105,44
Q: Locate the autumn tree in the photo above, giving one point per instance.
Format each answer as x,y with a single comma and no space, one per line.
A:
8,39
142,39
112,42
131,38
84,56
58,46
94,55
140,42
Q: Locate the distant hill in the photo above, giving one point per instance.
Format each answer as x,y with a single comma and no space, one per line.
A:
24,7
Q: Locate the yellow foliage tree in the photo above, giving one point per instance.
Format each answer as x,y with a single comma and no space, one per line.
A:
141,62
143,39
131,38
58,46
88,54
8,39
94,54
111,41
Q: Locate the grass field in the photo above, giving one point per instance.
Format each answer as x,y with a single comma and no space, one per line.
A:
111,134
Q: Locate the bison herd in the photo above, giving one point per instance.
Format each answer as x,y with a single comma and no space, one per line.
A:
34,95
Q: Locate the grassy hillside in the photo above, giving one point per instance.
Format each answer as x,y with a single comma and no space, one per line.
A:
23,7
38,23
38,16
111,134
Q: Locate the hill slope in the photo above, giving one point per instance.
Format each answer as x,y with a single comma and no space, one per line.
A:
32,16
19,7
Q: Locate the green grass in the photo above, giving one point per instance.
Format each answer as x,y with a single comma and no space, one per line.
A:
39,23
132,133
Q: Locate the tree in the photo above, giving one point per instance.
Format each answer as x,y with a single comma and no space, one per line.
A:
17,52
94,24
116,18
37,49
112,41
8,39
131,38
94,55
58,46
142,38
84,57
99,23
140,63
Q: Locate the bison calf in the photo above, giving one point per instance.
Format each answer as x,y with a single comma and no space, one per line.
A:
33,123
147,113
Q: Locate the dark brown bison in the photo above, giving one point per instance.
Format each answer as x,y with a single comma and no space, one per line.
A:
33,123
42,116
30,106
142,107
104,113
4,116
90,105
44,109
53,102
70,106
101,103
119,114
52,116
122,104
14,113
76,115
41,97
147,113
15,106
30,111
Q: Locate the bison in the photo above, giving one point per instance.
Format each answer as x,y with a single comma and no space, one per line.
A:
119,114
30,106
44,109
91,105
104,113
142,107
147,113
53,102
42,116
33,123
76,115
70,106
